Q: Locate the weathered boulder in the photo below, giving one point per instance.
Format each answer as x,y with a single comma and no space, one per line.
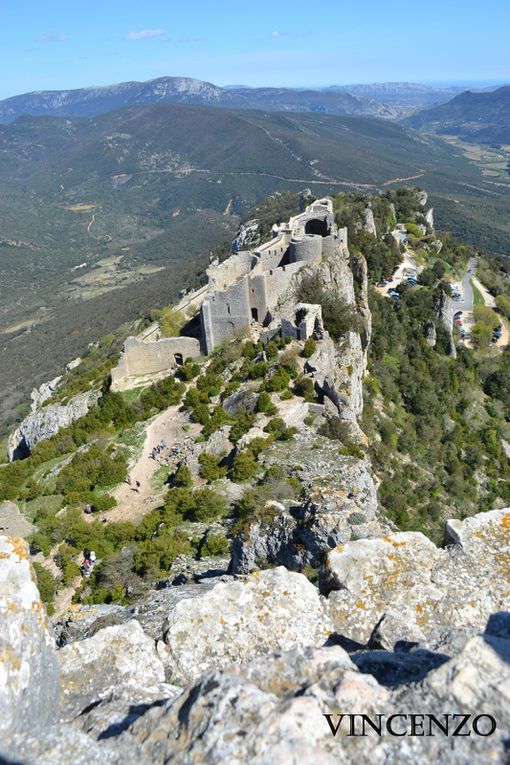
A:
371,575
28,664
46,422
122,706
114,656
238,620
444,594
239,400
150,611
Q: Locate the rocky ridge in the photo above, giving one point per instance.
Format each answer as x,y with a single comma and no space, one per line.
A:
259,660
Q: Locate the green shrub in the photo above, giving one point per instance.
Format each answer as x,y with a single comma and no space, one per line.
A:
338,316
171,322
47,586
208,505
243,421
188,371
103,503
183,478
66,563
244,466
210,468
279,380
335,429
215,544
154,557
87,470
265,405
305,388
275,426
218,417
352,450
309,348
258,445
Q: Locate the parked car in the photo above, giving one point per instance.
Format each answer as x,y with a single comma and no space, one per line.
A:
389,279
412,282
457,314
395,296
457,322
382,283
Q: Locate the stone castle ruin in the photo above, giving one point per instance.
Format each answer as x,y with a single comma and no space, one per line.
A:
241,291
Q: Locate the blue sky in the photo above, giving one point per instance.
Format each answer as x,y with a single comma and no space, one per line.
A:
55,44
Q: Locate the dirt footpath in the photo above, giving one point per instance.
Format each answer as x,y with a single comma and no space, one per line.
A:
166,427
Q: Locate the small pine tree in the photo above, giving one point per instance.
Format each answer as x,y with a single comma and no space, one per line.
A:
183,478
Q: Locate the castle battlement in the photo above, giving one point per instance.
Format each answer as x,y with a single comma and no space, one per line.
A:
246,287
243,290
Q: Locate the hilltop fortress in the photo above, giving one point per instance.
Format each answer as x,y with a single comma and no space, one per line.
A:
241,291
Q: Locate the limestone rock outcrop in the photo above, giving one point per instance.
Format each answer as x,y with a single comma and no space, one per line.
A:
28,666
272,710
43,393
238,620
114,656
444,594
47,421
368,221
407,628
339,501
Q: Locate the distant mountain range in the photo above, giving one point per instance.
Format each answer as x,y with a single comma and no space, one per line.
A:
390,100
406,95
89,102
482,117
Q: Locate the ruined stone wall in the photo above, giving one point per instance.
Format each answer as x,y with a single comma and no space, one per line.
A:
224,274
248,286
140,358
226,313
270,255
278,282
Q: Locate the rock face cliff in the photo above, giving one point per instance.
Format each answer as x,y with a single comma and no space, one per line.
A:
245,670
46,421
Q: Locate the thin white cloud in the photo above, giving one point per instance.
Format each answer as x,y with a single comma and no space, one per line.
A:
144,34
52,38
276,33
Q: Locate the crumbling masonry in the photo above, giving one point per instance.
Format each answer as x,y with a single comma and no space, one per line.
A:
243,290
